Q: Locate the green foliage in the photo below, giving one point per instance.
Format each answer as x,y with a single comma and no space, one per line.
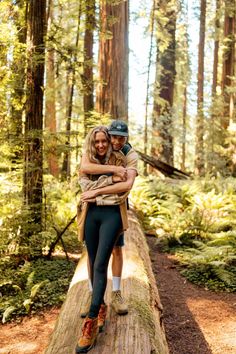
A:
196,221
59,209
32,286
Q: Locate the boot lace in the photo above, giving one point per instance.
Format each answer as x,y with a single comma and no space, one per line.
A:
118,297
87,328
102,313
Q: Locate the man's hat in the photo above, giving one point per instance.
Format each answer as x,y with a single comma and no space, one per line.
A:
118,127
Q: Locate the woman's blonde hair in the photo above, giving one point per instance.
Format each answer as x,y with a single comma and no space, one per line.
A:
89,144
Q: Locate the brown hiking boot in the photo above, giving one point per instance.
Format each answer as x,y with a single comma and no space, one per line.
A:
118,303
102,317
89,335
86,306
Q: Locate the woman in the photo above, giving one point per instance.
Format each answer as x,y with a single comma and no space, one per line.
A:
100,226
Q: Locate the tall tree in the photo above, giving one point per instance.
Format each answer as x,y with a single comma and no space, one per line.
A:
112,90
228,70
87,78
199,149
33,155
162,141
50,106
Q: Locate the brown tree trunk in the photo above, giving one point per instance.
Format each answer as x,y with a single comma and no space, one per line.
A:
199,153
152,17
112,90
50,106
33,155
88,84
164,86
228,70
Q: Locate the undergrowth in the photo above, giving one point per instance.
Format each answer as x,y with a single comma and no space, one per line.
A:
29,281
195,220
32,286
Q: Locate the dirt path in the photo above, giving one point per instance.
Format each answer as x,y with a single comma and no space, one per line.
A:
196,321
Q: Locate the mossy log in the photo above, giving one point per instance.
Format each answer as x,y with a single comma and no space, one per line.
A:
139,332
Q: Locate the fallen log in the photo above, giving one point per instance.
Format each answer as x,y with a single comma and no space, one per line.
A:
163,167
139,332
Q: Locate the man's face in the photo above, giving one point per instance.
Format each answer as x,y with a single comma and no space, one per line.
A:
118,141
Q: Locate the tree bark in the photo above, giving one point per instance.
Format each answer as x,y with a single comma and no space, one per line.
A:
228,70
199,151
33,155
112,89
141,331
162,141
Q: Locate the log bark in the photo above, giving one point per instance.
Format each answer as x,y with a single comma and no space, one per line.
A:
139,332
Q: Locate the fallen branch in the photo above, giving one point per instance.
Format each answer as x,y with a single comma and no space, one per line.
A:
59,238
163,167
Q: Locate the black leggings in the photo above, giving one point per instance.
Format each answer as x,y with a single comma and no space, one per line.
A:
102,227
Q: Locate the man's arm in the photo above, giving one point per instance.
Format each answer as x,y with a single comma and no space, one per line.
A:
119,187
95,168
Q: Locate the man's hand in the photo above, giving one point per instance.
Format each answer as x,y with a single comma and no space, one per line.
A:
121,172
88,196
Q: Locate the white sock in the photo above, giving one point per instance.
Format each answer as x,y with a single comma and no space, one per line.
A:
90,285
116,283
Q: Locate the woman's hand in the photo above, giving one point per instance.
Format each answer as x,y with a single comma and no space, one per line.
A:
121,172
89,196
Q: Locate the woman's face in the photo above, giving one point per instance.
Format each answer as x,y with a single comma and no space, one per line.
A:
101,144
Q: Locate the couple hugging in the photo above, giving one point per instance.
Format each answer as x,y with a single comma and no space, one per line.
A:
107,173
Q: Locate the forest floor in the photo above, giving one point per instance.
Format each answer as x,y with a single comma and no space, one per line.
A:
197,321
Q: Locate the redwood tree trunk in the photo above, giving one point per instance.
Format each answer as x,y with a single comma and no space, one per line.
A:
33,156
112,90
199,159
228,70
164,87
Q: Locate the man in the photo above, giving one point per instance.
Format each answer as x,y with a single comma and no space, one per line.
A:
118,131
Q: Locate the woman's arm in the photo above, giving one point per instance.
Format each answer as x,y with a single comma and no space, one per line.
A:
116,188
95,168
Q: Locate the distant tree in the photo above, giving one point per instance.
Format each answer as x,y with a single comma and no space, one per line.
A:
162,141
182,79
18,80
33,154
199,149
112,89
87,77
50,106
71,80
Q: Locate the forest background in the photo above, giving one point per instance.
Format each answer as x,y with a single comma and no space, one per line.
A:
168,69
